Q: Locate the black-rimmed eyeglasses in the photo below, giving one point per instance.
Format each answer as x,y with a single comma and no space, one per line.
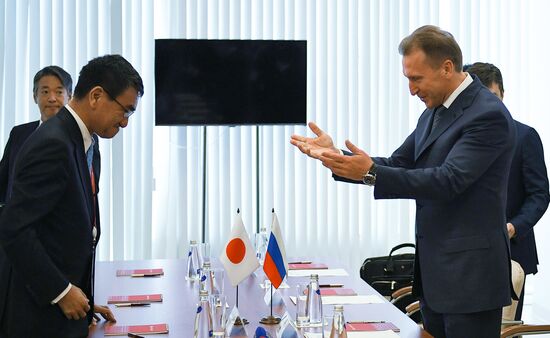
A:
127,112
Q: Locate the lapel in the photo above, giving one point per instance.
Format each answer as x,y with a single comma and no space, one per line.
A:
79,155
449,116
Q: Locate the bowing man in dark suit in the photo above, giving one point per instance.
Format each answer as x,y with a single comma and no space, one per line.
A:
455,165
49,227
52,89
528,195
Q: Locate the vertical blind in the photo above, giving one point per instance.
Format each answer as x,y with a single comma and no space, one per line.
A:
151,189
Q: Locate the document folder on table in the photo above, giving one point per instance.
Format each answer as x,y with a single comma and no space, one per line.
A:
338,292
306,266
122,330
135,299
371,326
140,272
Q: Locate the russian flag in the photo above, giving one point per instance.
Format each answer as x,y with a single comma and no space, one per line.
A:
275,264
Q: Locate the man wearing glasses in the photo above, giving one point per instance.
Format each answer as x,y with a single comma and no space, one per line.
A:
49,228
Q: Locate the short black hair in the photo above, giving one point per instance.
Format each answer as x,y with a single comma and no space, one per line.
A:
487,74
112,72
60,73
437,44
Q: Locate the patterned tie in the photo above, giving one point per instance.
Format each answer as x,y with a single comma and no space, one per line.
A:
89,158
90,155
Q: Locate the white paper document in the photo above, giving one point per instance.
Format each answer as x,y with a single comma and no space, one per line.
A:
346,300
357,334
359,299
319,272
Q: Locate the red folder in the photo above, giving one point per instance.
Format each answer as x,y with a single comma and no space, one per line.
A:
337,292
140,272
306,266
135,299
371,326
120,330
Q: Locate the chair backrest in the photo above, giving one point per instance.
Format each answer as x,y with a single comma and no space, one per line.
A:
518,278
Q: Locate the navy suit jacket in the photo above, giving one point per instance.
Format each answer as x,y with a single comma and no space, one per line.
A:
18,135
527,195
457,174
46,232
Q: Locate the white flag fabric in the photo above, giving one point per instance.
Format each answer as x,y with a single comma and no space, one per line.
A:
238,256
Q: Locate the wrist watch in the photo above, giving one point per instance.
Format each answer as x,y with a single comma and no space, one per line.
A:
370,177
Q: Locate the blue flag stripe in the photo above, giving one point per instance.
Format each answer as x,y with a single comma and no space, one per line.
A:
276,256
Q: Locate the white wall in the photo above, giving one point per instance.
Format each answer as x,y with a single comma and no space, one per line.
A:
539,111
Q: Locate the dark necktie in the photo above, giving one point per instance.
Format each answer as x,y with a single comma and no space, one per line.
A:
438,113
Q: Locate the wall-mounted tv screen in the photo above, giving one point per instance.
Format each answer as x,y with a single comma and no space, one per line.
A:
230,82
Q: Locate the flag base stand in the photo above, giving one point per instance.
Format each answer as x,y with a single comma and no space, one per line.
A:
241,321
270,320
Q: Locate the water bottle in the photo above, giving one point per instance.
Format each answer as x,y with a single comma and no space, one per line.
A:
203,318
338,329
261,244
193,266
314,304
206,281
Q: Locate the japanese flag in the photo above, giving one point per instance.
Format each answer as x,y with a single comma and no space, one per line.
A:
238,257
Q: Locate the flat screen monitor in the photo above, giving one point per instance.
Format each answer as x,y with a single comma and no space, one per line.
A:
230,82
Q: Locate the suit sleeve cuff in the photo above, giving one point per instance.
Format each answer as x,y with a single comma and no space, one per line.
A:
62,294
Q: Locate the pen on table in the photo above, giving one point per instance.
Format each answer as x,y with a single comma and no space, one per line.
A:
337,285
143,275
133,335
300,262
366,321
132,304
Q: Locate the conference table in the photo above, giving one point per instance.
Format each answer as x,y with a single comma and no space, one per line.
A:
180,298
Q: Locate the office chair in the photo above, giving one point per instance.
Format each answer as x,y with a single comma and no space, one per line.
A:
404,300
518,280
524,330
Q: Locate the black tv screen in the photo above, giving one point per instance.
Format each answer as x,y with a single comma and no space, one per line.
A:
230,82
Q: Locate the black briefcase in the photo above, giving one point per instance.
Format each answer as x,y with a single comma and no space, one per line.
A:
389,273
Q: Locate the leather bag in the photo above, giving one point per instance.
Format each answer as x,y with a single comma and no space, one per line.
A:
389,273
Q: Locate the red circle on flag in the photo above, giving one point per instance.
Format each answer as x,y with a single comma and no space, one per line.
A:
235,250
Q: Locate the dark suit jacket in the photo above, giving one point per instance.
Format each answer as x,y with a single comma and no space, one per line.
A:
46,232
18,136
458,176
527,195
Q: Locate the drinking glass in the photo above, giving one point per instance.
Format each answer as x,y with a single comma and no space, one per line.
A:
219,314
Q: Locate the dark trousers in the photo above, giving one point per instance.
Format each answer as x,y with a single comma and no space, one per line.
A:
484,324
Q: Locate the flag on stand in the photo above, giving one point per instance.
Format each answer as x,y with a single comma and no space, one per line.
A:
275,264
238,257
